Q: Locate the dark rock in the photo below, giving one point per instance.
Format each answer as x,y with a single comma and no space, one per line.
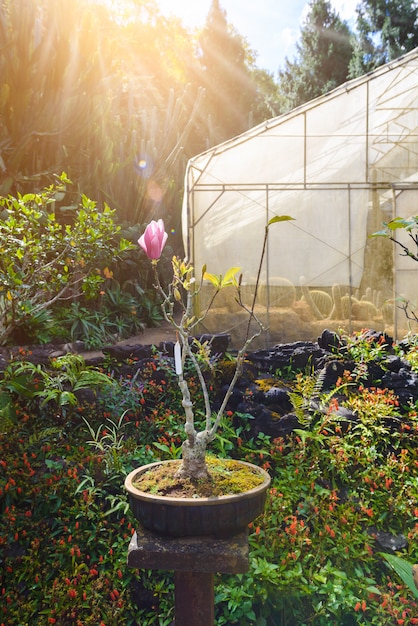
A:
404,383
124,352
331,342
234,401
40,354
407,344
270,406
346,414
375,371
219,345
387,541
333,370
276,398
394,363
287,424
93,360
3,363
268,422
14,550
86,396
347,417
377,337
296,355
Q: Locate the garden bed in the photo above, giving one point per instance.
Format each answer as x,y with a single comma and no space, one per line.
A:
334,422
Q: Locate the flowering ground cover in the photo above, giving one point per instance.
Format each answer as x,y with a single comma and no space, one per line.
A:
344,483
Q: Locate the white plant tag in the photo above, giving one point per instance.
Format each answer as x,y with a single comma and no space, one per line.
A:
177,358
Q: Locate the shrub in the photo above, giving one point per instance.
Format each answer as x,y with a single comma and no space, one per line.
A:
45,262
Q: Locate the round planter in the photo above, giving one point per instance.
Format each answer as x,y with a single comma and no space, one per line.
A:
182,517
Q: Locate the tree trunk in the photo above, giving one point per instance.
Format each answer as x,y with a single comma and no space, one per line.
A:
193,462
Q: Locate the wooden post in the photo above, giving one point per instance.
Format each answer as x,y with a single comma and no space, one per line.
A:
194,561
194,598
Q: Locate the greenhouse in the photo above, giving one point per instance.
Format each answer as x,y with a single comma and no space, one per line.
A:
340,165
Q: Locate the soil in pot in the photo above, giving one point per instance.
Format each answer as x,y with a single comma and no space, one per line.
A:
226,477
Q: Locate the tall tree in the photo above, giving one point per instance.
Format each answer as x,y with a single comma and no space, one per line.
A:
323,56
386,30
225,75
102,99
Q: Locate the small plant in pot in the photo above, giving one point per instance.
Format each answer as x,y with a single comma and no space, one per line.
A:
179,497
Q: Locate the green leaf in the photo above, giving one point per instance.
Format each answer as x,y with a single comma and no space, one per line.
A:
215,280
229,278
161,446
404,570
279,218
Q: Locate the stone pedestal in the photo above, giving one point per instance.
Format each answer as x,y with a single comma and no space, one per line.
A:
194,561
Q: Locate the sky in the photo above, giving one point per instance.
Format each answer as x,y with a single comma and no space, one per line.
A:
271,27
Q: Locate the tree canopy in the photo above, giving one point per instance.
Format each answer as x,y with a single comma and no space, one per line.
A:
323,56
386,29
121,101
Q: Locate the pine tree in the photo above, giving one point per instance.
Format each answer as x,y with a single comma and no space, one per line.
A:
386,30
225,75
323,57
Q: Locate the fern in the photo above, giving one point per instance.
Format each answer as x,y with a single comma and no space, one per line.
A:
47,434
309,388
301,398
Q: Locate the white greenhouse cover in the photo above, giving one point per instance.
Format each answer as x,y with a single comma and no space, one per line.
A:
340,165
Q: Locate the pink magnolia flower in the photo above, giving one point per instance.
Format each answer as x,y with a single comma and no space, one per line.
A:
153,240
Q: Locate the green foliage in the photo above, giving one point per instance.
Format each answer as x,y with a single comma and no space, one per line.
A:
323,59
404,569
44,262
111,317
225,70
365,348
410,226
104,98
108,440
68,376
385,31
56,385
332,490
100,97
65,524
395,230
410,355
73,555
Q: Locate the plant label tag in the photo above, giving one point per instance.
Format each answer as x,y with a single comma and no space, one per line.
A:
177,358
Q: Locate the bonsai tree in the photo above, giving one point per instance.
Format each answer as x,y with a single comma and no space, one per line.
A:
183,290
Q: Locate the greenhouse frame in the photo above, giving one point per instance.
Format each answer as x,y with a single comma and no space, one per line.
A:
341,166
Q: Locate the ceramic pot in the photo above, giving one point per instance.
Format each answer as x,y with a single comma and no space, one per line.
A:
182,517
